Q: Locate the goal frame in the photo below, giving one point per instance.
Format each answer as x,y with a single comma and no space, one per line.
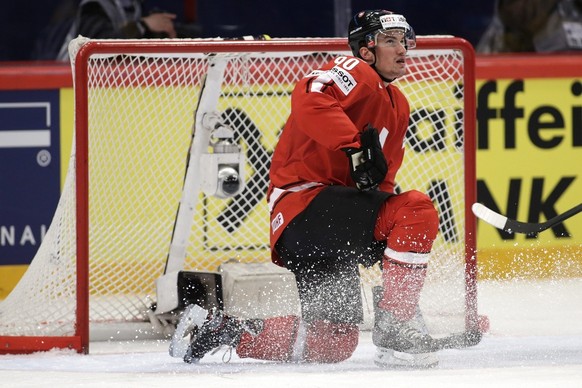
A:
80,340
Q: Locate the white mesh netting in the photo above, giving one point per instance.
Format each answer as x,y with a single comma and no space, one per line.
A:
141,114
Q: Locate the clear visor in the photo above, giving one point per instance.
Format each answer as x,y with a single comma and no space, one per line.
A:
392,38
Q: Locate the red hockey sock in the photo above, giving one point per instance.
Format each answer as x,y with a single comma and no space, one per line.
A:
402,285
329,342
274,343
321,341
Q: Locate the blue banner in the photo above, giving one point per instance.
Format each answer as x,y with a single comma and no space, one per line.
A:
29,170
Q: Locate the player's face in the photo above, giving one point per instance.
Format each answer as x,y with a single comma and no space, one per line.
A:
391,54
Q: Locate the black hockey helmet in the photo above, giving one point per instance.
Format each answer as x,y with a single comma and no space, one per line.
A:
365,25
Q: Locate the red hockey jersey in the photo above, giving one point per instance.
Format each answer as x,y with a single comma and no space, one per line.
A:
329,108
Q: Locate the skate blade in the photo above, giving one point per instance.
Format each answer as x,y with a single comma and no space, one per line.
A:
391,359
193,316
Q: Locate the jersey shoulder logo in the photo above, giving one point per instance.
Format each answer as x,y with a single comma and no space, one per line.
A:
343,79
277,222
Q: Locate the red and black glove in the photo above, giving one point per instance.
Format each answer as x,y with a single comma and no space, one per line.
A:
368,165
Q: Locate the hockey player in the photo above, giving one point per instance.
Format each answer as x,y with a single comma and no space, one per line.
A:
333,207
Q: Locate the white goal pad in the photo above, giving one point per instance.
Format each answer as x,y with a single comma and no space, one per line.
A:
259,290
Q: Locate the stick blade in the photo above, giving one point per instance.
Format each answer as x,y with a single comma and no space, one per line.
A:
489,216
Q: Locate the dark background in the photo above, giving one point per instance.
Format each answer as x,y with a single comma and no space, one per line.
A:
22,22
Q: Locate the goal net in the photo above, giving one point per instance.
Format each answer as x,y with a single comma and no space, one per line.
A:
136,104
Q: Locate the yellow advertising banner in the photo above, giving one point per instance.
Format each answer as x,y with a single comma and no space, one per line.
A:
529,160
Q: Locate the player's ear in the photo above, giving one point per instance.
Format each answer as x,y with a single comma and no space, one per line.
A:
366,54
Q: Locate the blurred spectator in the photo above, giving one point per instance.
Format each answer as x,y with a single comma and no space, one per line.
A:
106,19
50,39
533,26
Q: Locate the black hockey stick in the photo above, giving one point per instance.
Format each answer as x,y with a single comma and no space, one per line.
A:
501,222
456,341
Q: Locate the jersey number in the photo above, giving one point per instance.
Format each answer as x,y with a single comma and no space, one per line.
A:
347,63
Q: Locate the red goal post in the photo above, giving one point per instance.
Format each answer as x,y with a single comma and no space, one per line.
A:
133,106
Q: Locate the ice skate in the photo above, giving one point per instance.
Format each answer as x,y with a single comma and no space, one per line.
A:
218,329
192,317
401,344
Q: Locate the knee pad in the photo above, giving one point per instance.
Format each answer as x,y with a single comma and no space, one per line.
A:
275,343
408,222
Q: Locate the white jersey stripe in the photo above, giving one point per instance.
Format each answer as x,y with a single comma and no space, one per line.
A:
320,82
277,192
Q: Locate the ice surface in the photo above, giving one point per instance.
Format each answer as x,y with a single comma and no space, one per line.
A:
535,341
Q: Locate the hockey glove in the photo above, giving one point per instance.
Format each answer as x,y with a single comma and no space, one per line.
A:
368,165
